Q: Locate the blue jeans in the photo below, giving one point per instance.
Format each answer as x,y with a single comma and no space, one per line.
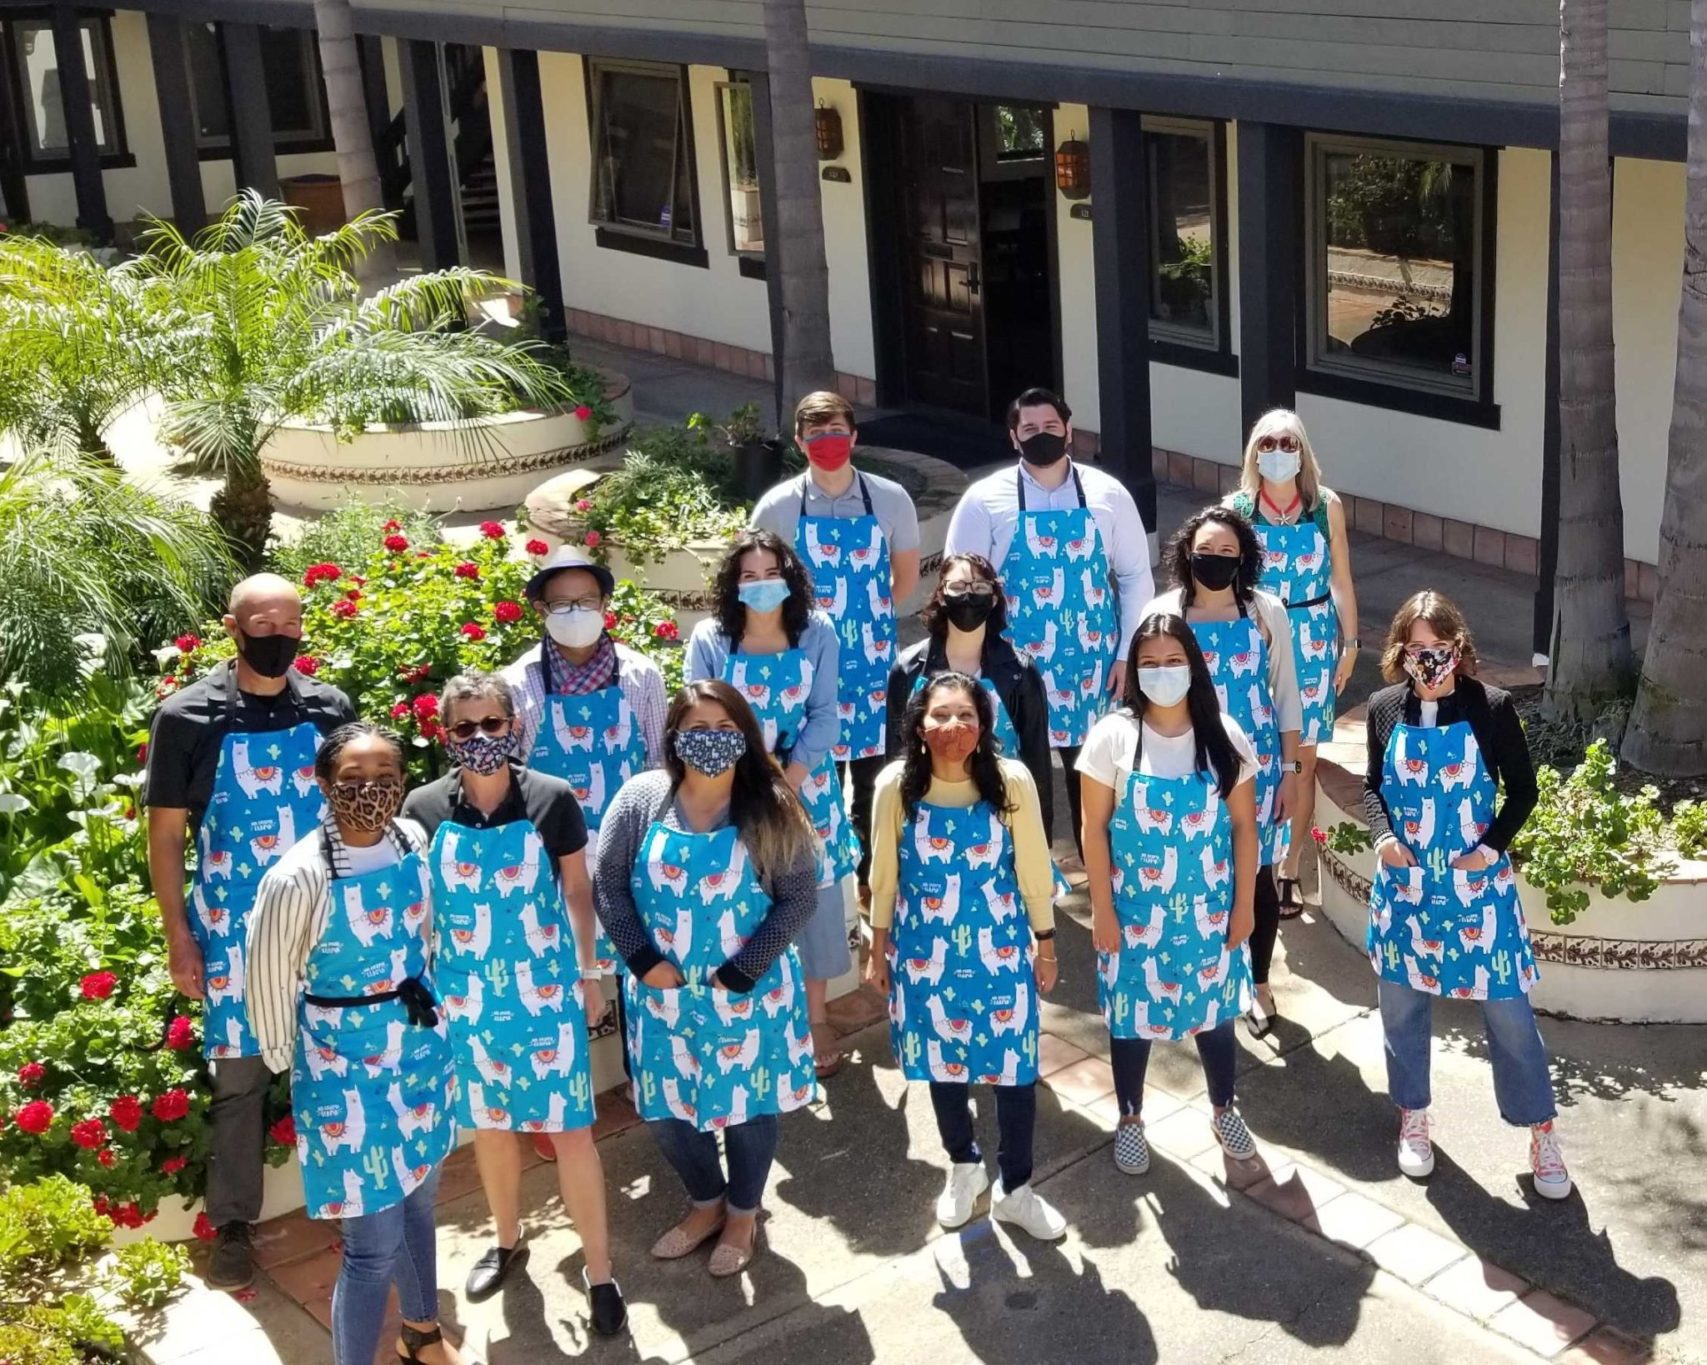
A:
1523,1087
1131,1057
1016,1120
395,1245
751,1147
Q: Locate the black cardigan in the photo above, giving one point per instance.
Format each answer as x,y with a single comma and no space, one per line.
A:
1017,683
1498,731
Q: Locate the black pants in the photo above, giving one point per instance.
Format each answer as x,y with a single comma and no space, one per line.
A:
622,1027
1069,757
1131,1058
236,1121
863,773
1016,1118
1267,927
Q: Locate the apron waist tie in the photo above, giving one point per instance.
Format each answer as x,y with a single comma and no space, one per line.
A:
1313,602
416,998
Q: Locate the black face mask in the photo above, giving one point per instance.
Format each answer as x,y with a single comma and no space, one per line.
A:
967,612
1214,572
268,655
1043,449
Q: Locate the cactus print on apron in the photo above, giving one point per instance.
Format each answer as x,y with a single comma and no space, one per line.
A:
1237,656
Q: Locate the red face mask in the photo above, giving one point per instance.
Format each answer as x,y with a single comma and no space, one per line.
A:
953,742
830,451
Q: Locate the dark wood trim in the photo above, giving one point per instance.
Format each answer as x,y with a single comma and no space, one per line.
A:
529,156
1270,253
1548,558
429,156
592,86
880,156
1052,217
1171,347
752,267
758,268
92,214
614,239
1442,406
254,158
1183,355
177,122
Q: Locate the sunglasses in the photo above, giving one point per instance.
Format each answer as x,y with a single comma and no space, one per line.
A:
491,725
1286,443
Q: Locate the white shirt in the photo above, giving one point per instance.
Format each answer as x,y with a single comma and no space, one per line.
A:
1112,748
988,515
1271,615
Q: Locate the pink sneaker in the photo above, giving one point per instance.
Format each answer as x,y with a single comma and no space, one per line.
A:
1416,1152
1552,1180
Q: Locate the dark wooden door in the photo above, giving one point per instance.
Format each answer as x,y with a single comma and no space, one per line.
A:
942,294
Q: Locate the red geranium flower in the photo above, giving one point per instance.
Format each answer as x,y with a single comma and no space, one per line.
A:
492,530
89,1134
165,687
306,664
610,620
468,569
36,1117
284,1131
393,525
98,985
171,1106
181,1034
419,673
667,630
31,1074
127,1216
474,630
583,412
322,573
354,594
142,755
105,1156
1318,834
425,706
400,711
173,1164
583,505
592,540
507,613
344,609
188,642
431,729
537,547
204,1229
126,1112
396,544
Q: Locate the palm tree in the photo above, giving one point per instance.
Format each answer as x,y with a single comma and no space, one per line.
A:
1668,729
274,326
352,134
807,361
1590,654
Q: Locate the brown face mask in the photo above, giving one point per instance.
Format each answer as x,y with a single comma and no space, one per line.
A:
366,805
953,742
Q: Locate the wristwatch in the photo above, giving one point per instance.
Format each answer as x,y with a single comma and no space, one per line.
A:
1292,767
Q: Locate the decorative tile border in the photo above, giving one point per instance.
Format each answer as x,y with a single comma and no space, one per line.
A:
1619,954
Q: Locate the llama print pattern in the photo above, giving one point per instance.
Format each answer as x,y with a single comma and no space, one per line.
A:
1433,927
1171,839
508,974
1237,656
701,1053
848,558
370,1091
259,809
1297,566
961,986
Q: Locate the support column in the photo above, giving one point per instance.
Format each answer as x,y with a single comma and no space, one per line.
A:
377,96
531,204
252,157
177,122
1548,564
429,156
1271,232
75,100
1120,247
764,153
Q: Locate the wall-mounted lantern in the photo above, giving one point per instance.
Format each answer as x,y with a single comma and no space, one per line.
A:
827,123
1073,167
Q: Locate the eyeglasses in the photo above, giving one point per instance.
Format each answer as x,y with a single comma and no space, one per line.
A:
491,725
1287,443
579,604
969,590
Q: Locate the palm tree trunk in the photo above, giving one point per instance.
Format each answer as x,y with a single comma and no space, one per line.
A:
807,362
352,135
243,510
1668,729
1590,655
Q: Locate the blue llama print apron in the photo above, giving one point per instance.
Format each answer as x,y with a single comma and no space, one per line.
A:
962,991
849,561
265,798
370,1086
1297,568
1061,611
1237,656
504,956
777,687
1171,839
701,1053
1433,927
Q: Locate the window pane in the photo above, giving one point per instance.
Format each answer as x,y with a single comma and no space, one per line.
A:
291,72
207,84
38,74
741,167
1400,258
1182,225
639,179
1023,131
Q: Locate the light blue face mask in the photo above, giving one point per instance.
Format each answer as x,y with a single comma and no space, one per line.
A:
1166,685
766,594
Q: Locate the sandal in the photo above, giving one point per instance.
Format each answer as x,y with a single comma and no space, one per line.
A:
1291,901
826,1061
413,1339
676,1243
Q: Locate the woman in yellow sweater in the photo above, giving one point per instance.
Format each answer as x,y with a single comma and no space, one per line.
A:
957,844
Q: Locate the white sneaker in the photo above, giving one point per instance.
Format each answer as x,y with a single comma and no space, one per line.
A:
966,1181
1416,1152
1552,1180
1026,1208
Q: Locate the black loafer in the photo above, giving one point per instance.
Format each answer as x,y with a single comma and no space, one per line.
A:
232,1265
487,1277
609,1313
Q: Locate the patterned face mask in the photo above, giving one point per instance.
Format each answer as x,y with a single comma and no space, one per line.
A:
366,805
710,751
1429,667
481,754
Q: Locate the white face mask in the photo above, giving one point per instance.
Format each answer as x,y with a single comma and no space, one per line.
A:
1277,466
1165,686
575,629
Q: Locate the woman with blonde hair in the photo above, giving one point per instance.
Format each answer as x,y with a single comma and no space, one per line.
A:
1307,565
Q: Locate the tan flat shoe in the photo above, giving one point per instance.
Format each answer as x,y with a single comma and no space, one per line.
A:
728,1260
679,1242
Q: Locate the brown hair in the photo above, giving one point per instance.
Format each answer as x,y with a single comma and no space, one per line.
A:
821,408
1440,613
933,614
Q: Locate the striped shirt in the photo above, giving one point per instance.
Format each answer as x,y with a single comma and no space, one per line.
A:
642,688
291,909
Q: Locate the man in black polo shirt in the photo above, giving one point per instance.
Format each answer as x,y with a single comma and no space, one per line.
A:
231,764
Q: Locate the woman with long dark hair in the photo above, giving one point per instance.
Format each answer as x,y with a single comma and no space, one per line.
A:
706,873
957,844
767,642
1171,848
1215,560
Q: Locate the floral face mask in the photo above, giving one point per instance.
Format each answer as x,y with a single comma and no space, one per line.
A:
1430,665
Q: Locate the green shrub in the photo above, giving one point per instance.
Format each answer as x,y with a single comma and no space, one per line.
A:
46,1229
348,536
146,1274
71,1330
1689,828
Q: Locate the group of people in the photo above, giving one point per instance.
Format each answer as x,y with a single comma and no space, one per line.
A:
428,960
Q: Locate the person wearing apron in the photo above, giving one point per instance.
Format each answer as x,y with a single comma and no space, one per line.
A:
1171,841
513,933
231,772
858,534
338,947
1215,559
958,844
707,872
765,640
1074,559
1444,913
1307,565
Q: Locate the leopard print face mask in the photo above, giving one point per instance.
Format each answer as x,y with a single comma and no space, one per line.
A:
366,805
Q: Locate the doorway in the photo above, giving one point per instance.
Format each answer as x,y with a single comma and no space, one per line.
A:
962,231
